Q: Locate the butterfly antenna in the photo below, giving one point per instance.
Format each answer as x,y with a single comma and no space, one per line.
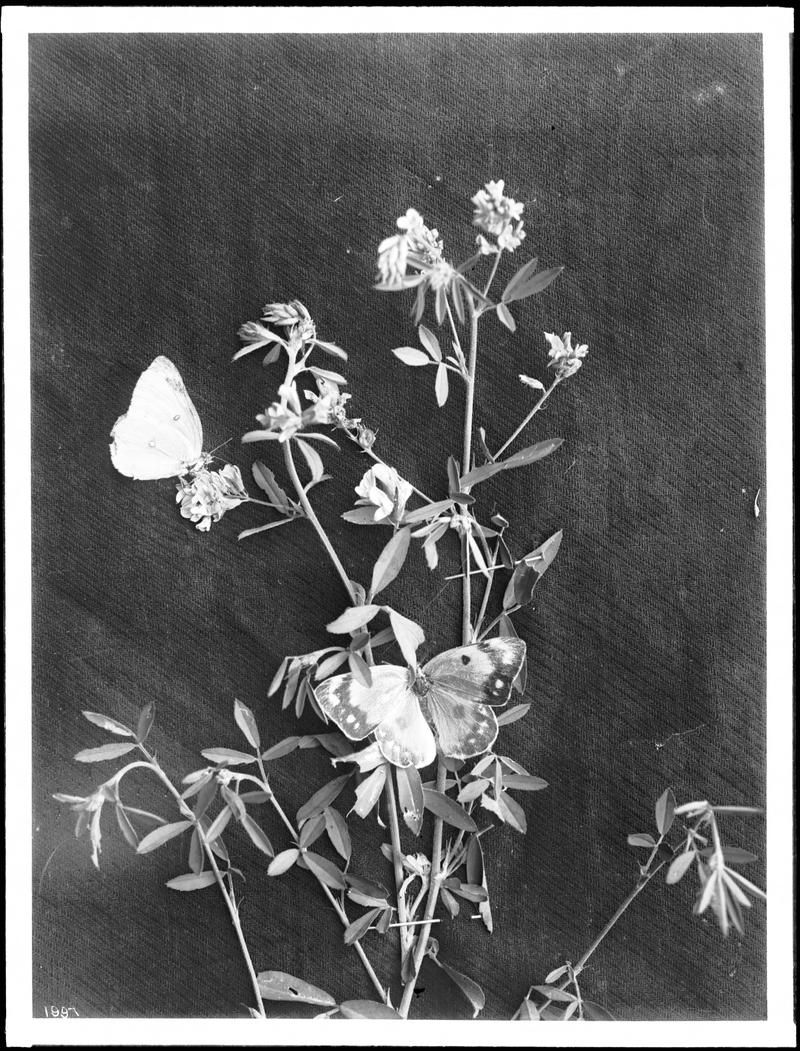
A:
226,442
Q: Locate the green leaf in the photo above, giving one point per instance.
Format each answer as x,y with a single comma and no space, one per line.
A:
471,990
145,722
283,862
528,1012
480,474
192,881
369,791
533,453
641,839
596,1012
258,835
246,722
325,871
125,827
448,810
506,317
430,343
665,812
555,975
353,618
322,797
521,584
358,928
513,813
218,825
390,561
265,480
532,285
359,668
680,866
105,751
426,513
556,994
510,715
227,755
365,891
367,1009
311,830
276,985
521,275
442,386
109,724
411,356
282,748
738,856
473,790
408,633
410,797
468,891
338,833
313,459
524,782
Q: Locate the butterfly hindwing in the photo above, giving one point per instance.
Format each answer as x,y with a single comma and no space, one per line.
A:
160,436
482,673
464,728
404,736
358,709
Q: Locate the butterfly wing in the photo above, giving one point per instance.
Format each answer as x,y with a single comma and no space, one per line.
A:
464,728
404,736
464,682
160,436
357,709
483,672
388,708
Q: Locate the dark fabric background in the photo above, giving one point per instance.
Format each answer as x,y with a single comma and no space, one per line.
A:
178,184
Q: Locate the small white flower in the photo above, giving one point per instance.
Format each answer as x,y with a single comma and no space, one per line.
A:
209,494
384,489
500,216
566,358
529,381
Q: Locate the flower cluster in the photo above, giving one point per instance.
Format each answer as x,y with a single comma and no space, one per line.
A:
499,216
299,333
209,494
383,489
89,810
566,358
416,246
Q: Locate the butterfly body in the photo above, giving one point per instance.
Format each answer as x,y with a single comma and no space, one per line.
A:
448,701
160,436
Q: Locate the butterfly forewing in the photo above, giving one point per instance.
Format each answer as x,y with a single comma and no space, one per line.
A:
160,436
481,673
357,709
462,684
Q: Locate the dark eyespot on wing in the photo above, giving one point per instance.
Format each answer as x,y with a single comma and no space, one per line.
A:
465,659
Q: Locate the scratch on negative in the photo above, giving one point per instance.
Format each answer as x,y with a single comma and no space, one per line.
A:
681,733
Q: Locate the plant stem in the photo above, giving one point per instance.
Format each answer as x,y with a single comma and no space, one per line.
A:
529,417
430,904
491,276
311,515
327,891
406,936
230,901
469,411
579,966
466,636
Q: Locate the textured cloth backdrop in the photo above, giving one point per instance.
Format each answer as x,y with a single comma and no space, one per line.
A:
178,184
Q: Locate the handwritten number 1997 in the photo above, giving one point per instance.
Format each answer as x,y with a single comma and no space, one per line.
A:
61,1012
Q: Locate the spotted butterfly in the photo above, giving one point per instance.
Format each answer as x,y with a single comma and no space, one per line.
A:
451,693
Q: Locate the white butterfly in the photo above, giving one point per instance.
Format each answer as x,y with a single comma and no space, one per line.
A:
452,692
160,436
